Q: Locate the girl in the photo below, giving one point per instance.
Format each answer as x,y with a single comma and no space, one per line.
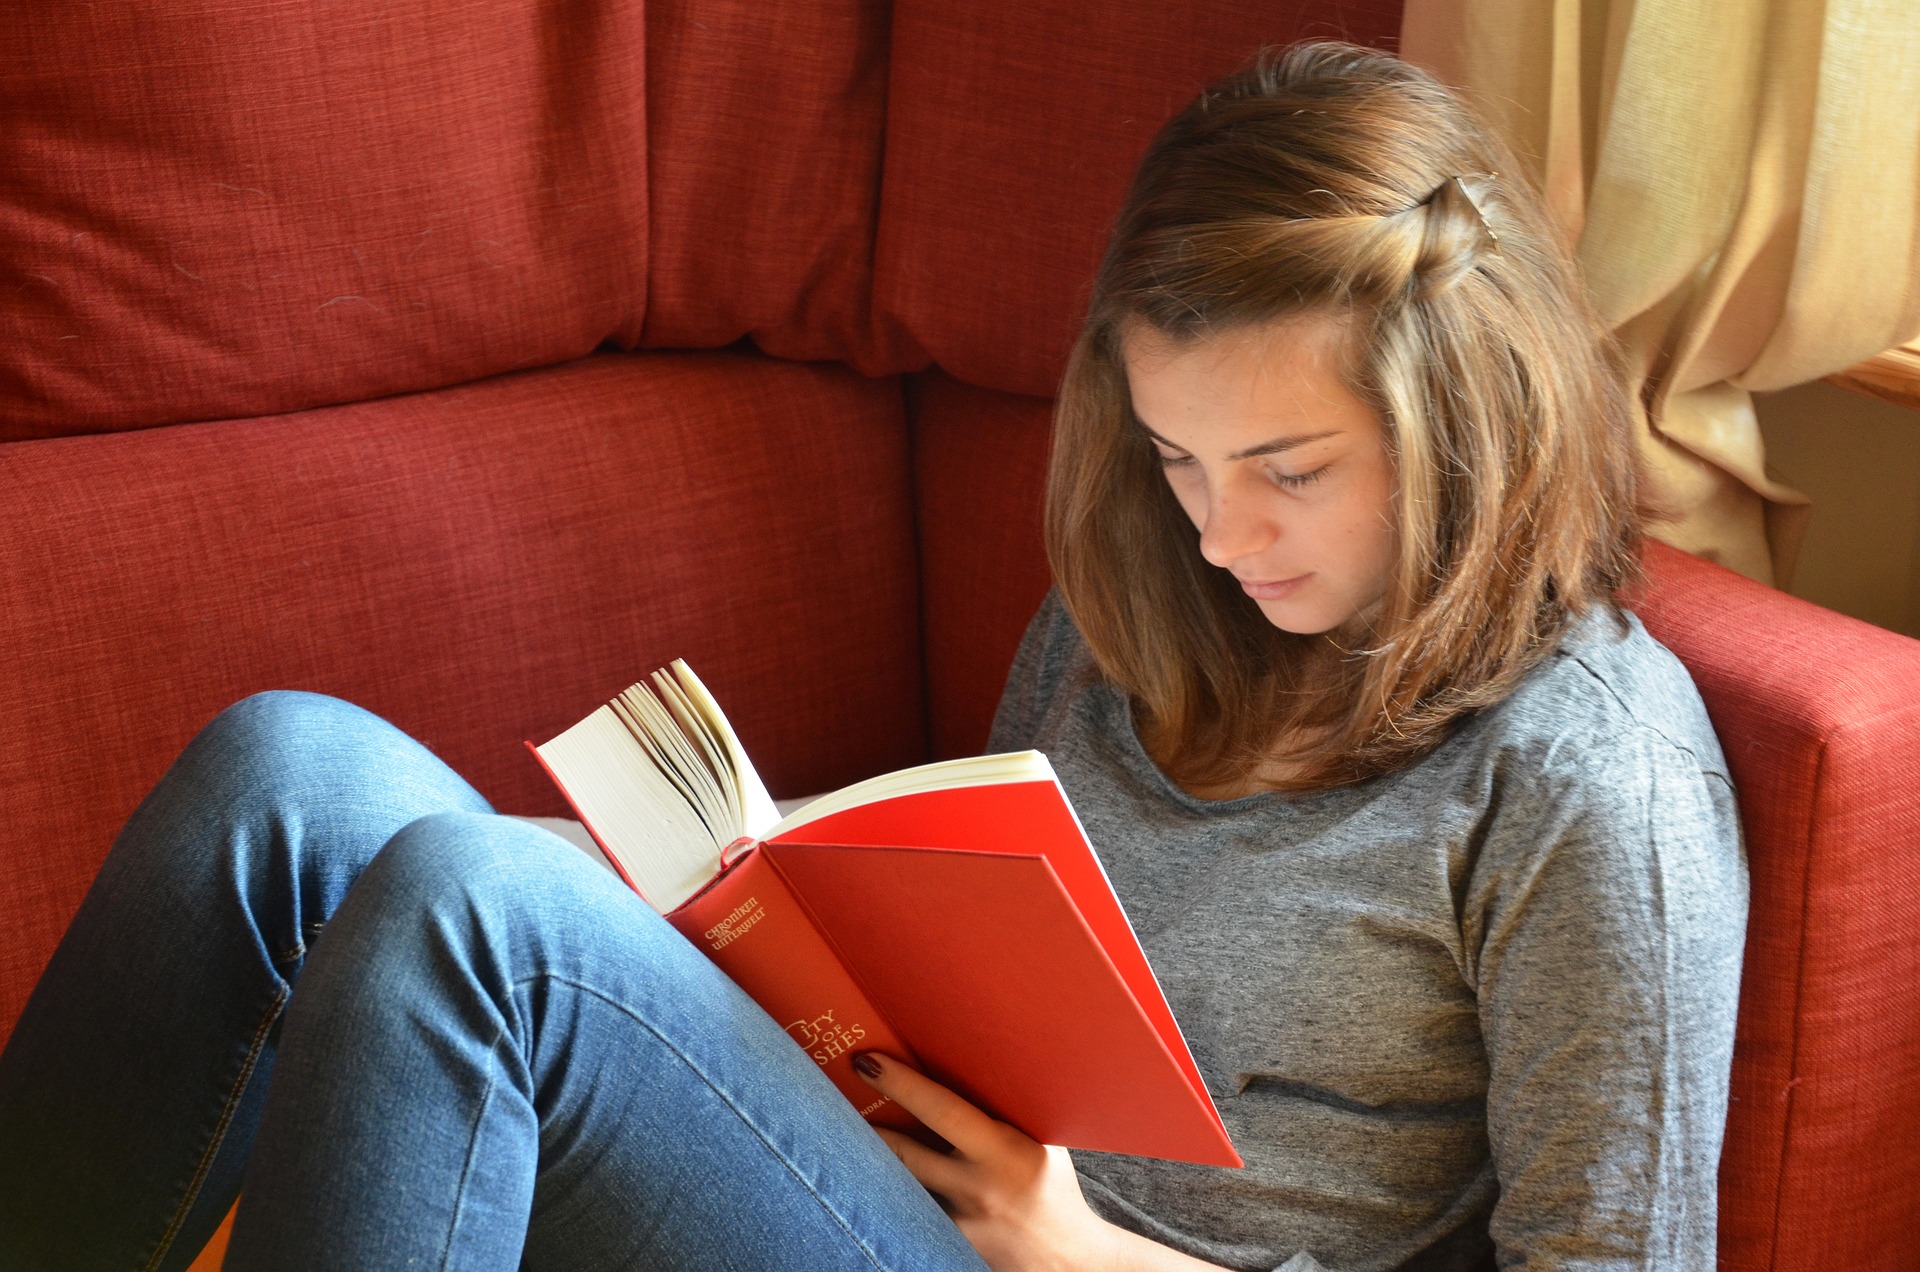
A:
1430,844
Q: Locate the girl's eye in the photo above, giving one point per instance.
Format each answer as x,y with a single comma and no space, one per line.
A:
1172,461
1297,481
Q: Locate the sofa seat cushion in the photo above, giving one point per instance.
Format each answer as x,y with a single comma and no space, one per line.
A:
480,565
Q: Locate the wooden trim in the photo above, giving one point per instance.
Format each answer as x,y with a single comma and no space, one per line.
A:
1893,375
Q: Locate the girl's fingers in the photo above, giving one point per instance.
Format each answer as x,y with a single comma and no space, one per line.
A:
947,1115
936,1171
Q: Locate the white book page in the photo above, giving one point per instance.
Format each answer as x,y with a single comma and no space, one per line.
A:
713,754
661,778
681,761
758,813
642,817
943,775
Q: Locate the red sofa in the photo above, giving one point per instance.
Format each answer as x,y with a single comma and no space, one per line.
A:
468,360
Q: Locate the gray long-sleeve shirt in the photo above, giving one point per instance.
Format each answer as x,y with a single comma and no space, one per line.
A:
1484,1002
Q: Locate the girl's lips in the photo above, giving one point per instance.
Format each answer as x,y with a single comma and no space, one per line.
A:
1272,591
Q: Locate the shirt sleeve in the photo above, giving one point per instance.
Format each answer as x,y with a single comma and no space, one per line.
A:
1604,923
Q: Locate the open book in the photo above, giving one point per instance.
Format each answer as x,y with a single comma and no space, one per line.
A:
951,915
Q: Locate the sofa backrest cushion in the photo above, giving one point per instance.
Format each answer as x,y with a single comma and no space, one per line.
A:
220,210
764,126
266,207
482,565
1012,132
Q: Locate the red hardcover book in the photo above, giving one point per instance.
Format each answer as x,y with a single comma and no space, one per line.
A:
953,916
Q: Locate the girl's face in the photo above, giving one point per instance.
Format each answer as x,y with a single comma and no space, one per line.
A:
1282,469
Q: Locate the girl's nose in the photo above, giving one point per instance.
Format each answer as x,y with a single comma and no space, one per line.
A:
1236,528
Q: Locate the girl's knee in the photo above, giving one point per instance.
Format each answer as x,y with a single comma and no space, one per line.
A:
290,724
488,892
287,795
488,862
279,713
284,746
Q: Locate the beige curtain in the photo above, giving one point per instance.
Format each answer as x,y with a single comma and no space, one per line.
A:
1741,181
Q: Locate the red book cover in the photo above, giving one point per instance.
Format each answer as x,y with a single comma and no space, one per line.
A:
988,970
1022,818
972,932
750,925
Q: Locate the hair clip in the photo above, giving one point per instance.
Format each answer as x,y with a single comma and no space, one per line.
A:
1478,211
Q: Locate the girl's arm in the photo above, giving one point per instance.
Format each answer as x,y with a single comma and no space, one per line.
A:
1604,923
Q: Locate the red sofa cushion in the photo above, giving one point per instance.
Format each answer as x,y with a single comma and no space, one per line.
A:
1819,716
979,471
480,565
764,129
1820,719
218,210
1012,132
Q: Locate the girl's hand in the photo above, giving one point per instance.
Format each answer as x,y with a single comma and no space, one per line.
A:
1018,1201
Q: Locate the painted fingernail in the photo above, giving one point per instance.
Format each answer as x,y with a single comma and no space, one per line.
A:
866,1066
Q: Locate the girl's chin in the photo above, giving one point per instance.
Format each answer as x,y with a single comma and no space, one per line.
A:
1303,617
1302,620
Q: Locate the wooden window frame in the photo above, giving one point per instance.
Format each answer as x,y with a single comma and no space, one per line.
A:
1893,375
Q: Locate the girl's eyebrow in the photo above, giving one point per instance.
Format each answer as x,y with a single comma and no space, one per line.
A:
1272,446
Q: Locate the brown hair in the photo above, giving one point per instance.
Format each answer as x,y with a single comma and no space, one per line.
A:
1328,178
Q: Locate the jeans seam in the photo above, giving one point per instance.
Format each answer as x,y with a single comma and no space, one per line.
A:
299,950
738,1112
466,1170
219,1131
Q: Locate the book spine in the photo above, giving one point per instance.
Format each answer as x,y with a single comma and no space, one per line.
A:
753,928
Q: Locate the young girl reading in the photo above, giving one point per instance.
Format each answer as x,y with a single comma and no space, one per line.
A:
1430,845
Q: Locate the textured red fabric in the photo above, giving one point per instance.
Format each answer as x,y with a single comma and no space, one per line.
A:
480,565
764,157
217,209
979,468
1012,132
1820,719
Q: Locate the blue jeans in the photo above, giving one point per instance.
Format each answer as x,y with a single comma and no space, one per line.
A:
498,1055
